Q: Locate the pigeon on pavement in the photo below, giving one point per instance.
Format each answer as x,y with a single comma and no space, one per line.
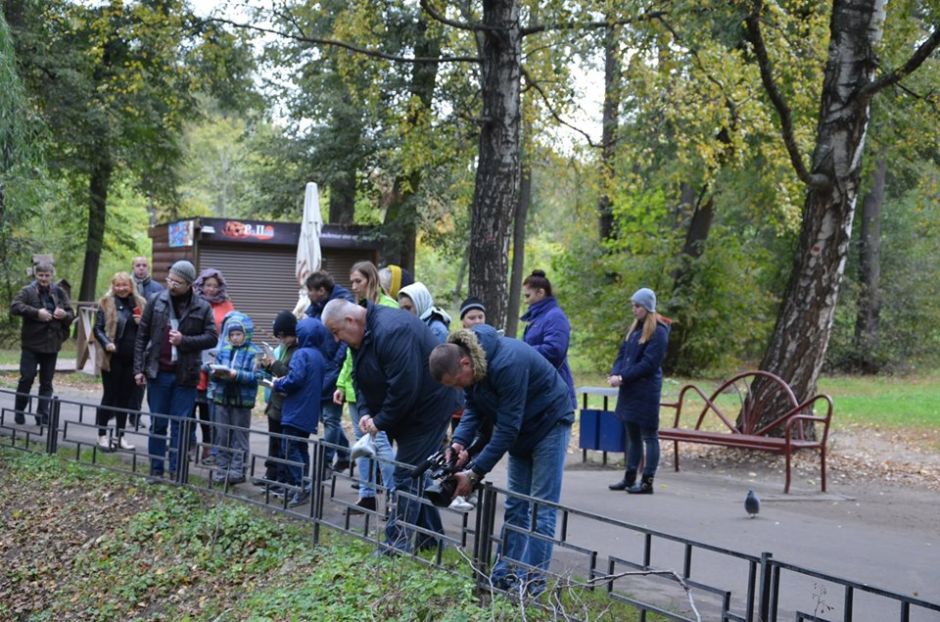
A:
752,504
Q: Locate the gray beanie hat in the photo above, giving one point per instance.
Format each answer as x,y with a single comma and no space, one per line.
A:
646,298
184,270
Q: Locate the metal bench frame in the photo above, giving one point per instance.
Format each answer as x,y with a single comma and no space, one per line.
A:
783,435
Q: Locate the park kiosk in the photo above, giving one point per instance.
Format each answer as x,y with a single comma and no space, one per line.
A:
258,258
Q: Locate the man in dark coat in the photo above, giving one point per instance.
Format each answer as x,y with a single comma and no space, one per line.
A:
321,288
510,386
47,315
175,328
397,395
145,285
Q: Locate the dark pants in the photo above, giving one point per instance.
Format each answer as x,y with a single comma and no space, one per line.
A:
414,446
29,361
296,449
640,438
120,391
201,412
275,450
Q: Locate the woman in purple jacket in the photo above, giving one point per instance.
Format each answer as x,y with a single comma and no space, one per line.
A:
547,329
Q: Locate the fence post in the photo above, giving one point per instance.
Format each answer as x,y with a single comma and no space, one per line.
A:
764,597
317,468
52,429
182,450
482,546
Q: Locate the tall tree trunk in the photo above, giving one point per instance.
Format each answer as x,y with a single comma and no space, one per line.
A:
696,235
801,335
518,250
401,217
98,186
613,84
342,207
496,193
869,294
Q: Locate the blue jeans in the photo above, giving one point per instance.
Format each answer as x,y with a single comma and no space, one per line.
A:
384,456
414,446
538,475
332,414
165,397
296,450
639,438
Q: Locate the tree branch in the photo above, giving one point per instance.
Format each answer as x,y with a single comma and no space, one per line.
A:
530,82
473,27
922,53
754,35
347,46
574,25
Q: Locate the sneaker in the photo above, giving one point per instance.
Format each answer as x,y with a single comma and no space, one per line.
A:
236,479
299,498
363,504
341,465
461,505
19,419
104,443
278,492
124,444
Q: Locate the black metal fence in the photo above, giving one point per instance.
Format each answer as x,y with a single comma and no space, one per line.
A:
658,573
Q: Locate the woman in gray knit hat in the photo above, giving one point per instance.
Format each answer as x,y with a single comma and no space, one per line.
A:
638,373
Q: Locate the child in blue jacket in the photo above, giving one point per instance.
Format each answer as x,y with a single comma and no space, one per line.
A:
300,411
235,388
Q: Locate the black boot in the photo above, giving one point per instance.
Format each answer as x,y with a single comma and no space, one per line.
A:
629,478
645,487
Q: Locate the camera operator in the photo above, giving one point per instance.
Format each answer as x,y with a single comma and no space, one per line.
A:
397,395
510,385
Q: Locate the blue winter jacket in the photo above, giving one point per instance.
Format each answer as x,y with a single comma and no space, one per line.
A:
242,390
640,364
390,372
548,331
522,395
303,384
334,351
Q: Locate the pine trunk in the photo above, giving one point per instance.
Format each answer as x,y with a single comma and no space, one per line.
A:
496,192
801,334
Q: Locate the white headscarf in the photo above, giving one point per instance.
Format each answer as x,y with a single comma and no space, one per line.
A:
424,303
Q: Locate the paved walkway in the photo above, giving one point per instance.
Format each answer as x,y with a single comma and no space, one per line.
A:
884,536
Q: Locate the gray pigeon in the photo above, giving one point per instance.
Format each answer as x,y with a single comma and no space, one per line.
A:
752,504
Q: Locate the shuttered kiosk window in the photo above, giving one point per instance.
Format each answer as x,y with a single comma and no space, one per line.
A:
261,280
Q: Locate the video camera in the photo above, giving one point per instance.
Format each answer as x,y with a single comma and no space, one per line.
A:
443,484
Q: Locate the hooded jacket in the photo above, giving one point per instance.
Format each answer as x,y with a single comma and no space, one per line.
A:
515,389
35,335
640,364
242,390
334,351
548,331
436,318
303,384
390,372
195,323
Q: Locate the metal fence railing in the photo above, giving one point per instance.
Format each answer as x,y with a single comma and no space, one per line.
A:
655,572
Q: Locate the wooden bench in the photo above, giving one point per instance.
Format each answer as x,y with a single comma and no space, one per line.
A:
783,435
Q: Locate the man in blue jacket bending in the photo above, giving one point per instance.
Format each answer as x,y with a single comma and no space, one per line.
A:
510,385
397,395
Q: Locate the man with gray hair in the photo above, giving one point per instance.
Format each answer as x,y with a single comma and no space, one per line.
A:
47,316
397,395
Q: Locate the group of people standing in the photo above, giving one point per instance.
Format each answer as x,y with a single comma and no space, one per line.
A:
383,349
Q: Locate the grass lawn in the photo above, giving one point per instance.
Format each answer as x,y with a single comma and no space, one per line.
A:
910,401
